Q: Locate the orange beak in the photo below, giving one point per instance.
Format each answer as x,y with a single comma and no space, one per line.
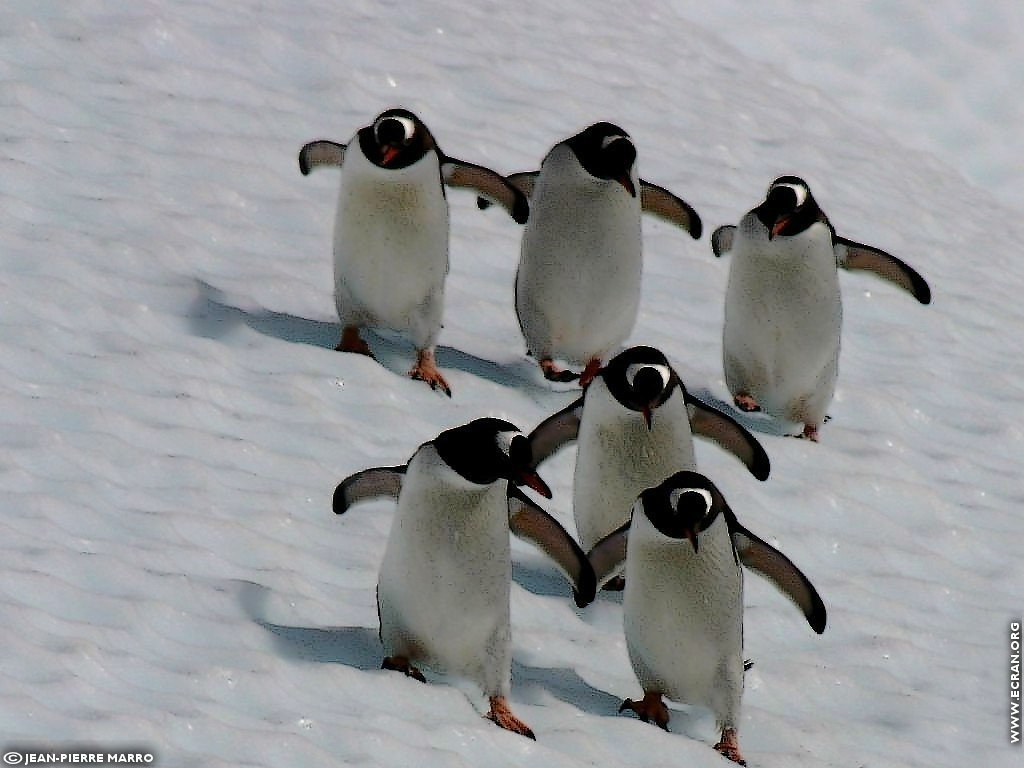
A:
388,153
531,479
779,227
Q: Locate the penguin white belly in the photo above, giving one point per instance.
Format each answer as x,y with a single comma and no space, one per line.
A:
683,617
617,458
443,592
783,317
391,247
578,284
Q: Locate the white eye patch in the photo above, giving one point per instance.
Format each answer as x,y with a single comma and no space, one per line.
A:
799,190
504,441
635,368
610,139
676,495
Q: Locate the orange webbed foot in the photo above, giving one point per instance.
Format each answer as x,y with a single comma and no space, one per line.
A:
501,715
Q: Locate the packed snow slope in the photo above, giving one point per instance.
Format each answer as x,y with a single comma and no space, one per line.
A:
175,419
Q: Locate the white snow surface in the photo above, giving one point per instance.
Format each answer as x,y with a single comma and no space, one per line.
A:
175,420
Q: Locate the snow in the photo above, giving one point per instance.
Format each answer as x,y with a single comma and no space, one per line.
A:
175,420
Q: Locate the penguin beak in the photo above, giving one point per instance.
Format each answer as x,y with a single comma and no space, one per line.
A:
779,228
531,479
627,184
691,534
648,416
388,153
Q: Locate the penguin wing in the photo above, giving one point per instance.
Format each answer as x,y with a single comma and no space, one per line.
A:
523,181
853,255
721,239
555,431
458,173
321,152
608,556
763,558
663,204
375,483
729,434
530,522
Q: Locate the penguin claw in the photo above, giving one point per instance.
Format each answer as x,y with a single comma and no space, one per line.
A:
352,342
426,370
650,708
553,373
746,403
401,664
501,715
729,747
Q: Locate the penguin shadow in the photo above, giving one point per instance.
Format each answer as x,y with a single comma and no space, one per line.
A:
357,647
565,685
213,316
752,422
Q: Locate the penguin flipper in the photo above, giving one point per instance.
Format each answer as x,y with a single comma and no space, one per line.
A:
322,152
555,431
374,483
663,204
608,556
721,239
729,434
530,522
853,255
458,173
523,181
763,558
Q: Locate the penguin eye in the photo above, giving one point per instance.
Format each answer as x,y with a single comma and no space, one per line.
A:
607,141
634,370
698,497
394,129
799,190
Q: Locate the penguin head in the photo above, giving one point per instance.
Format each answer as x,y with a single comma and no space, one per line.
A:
487,450
788,208
606,152
640,379
682,506
395,139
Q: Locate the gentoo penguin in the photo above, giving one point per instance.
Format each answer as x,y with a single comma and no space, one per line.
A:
443,591
634,426
391,230
578,282
683,605
783,309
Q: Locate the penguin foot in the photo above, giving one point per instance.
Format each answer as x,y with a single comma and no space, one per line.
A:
650,709
729,746
351,341
553,373
590,371
810,433
746,403
401,664
501,715
426,370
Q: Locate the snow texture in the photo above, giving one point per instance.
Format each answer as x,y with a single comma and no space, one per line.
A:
175,419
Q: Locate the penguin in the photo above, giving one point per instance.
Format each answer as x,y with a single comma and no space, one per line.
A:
783,308
445,579
683,602
634,426
391,230
577,287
